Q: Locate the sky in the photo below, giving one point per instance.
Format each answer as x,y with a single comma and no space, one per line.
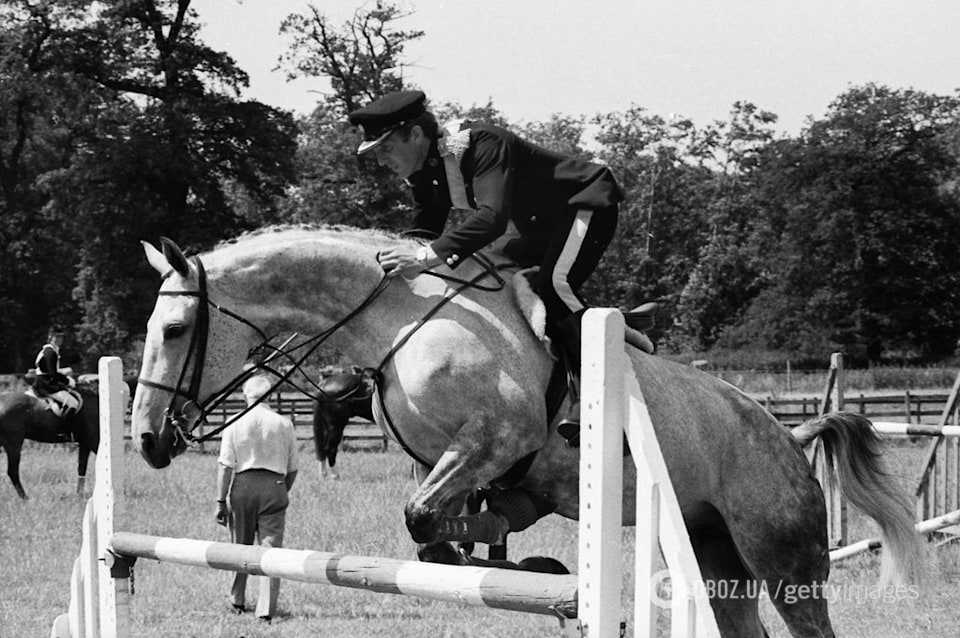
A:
675,58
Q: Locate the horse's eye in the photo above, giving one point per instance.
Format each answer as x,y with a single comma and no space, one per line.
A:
174,331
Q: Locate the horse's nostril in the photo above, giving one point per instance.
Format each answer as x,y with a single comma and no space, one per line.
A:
147,442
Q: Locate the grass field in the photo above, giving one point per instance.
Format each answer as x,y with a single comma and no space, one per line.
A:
360,514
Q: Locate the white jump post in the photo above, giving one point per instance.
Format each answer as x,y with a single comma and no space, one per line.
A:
612,403
99,591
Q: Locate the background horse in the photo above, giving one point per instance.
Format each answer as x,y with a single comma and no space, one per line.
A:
462,390
342,397
24,416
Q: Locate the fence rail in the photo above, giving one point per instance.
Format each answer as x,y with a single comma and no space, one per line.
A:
910,406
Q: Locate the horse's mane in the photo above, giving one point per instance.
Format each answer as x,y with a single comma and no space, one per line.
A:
330,230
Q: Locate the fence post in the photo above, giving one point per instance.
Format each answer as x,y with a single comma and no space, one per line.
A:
601,475
836,505
114,592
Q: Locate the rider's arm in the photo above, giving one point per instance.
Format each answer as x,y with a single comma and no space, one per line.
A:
487,165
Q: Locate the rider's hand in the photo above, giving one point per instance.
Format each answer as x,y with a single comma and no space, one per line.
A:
222,513
402,261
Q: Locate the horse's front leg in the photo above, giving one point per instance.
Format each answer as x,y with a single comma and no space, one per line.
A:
432,513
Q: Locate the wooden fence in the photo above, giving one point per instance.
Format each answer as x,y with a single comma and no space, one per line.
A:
299,407
909,406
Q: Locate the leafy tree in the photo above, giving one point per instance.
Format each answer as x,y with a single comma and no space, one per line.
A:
142,133
862,258
167,155
723,278
363,60
42,113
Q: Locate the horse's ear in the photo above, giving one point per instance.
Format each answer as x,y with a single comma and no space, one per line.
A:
175,256
156,259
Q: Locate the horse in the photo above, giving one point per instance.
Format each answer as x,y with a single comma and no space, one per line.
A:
461,386
24,416
342,397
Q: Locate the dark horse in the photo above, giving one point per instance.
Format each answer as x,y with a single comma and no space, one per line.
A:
343,396
24,416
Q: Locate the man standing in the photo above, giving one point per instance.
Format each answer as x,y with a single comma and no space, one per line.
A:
564,209
257,468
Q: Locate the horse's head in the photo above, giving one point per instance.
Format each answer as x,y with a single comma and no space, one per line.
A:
192,351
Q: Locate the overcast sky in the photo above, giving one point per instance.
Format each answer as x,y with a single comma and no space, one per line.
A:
683,57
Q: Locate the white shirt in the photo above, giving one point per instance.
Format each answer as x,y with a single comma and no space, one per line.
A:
260,440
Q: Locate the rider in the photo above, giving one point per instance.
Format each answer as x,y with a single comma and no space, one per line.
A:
563,210
51,380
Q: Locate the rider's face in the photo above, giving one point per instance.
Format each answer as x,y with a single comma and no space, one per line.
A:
403,157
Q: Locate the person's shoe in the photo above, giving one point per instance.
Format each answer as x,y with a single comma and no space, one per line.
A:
265,619
238,609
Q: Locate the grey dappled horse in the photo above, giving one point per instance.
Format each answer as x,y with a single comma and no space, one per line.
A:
463,380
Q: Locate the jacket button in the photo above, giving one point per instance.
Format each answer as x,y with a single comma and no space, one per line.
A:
533,218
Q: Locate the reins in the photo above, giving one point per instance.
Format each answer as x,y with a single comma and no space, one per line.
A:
183,425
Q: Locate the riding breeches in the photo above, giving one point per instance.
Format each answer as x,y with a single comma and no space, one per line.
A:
576,244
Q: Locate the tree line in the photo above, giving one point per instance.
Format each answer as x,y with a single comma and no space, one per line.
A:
118,124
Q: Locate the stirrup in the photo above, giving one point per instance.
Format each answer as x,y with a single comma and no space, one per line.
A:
569,429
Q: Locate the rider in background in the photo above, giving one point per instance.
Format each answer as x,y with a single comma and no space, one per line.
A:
562,210
51,380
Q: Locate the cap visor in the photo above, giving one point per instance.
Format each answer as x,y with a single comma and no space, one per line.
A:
369,145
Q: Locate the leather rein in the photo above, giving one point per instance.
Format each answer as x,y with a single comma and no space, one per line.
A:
192,411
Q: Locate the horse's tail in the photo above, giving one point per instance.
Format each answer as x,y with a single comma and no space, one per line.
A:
853,447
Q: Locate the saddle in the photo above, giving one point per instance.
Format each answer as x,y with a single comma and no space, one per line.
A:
347,387
61,403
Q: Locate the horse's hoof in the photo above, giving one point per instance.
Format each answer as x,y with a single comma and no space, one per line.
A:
543,564
443,553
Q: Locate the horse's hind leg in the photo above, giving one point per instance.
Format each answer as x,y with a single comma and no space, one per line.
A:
785,546
733,589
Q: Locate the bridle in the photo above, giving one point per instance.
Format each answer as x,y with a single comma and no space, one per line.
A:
183,420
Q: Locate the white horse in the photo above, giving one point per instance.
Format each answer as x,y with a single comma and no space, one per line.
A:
464,394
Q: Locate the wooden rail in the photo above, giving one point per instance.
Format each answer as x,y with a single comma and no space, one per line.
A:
299,407
910,406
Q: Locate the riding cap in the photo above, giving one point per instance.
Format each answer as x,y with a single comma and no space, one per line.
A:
386,114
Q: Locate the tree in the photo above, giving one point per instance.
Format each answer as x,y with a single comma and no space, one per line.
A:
43,110
362,60
176,145
862,223
149,137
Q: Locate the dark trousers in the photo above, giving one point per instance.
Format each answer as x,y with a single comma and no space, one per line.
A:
258,501
575,247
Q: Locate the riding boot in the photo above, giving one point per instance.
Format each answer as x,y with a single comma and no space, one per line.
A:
568,332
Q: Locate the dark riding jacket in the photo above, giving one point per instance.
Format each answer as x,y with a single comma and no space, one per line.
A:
47,364
499,177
